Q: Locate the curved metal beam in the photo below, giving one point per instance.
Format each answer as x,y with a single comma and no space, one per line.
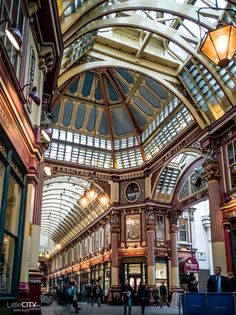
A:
184,11
163,31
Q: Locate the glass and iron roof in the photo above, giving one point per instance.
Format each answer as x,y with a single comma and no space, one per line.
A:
131,80
62,215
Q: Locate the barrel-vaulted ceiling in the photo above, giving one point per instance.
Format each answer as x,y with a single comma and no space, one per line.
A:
131,81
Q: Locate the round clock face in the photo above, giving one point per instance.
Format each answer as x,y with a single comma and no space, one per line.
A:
196,179
132,192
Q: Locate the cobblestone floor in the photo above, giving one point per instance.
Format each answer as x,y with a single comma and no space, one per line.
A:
55,309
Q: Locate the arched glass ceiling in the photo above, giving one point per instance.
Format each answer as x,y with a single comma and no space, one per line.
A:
125,64
62,216
170,174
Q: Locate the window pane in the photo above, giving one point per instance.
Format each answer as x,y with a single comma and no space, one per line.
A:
161,271
2,169
13,206
6,263
133,227
160,228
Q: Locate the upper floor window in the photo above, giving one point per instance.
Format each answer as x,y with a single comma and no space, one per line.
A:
231,150
107,234
12,10
183,230
133,227
160,227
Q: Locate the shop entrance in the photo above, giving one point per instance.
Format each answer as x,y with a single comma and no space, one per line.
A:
134,270
134,282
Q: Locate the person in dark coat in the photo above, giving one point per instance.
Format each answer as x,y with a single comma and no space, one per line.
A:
155,294
142,296
127,296
163,295
231,282
217,282
192,285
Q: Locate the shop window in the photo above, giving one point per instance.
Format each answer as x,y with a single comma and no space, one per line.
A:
133,227
161,272
12,192
160,228
183,230
231,149
2,169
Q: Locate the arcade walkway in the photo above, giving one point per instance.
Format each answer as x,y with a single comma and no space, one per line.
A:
106,310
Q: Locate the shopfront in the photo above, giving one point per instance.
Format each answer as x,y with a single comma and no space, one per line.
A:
12,211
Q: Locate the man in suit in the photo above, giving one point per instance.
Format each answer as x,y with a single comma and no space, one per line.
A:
217,282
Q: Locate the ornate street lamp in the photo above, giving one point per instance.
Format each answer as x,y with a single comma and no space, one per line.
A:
219,45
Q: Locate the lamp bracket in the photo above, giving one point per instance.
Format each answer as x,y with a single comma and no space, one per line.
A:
211,8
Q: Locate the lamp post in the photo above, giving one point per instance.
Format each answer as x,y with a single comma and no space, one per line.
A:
219,45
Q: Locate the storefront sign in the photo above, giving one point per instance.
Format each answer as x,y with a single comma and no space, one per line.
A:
132,253
162,253
191,265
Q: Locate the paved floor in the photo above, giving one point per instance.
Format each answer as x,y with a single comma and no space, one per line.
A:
55,309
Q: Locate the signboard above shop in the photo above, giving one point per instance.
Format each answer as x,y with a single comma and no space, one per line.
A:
188,265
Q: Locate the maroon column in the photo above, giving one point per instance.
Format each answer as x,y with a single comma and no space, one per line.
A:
212,175
173,220
114,289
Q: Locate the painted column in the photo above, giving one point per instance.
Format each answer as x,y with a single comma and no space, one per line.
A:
35,277
115,230
207,226
212,175
173,220
24,291
229,215
150,236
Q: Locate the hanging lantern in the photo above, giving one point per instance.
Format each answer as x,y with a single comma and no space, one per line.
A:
91,194
58,246
47,255
104,200
219,45
84,202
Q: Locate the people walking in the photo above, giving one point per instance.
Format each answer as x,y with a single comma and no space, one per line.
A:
127,296
99,293
88,292
142,296
217,282
155,294
163,295
73,295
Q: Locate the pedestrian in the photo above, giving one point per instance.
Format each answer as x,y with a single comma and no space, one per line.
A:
88,291
192,285
127,296
163,295
231,282
142,296
99,293
155,294
73,294
217,282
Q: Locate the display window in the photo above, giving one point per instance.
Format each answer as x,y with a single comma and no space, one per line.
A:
12,199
